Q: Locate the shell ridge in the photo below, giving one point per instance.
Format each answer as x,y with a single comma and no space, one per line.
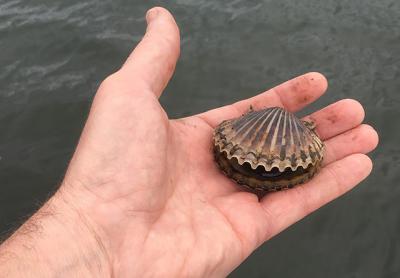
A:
273,162
282,149
229,148
274,137
244,126
235,149
291,130
261,133
244,121
304,157
306,132
244,118
267,132
297,133
253,130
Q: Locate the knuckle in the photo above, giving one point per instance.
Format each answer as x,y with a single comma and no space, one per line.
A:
109,82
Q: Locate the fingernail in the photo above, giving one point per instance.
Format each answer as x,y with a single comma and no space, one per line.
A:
151,14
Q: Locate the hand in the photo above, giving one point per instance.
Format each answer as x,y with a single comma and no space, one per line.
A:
149,192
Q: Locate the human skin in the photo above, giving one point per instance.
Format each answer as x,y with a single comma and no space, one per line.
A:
142,196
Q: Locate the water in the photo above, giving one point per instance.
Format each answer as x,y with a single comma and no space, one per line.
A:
55,53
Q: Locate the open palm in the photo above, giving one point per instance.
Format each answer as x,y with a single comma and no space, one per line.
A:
149,185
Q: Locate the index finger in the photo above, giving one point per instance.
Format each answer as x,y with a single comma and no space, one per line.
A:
293,95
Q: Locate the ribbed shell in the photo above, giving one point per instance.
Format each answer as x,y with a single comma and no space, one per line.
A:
272,137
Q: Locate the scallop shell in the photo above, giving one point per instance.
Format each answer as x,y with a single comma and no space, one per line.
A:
268,150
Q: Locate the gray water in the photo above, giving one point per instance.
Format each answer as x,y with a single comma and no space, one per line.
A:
53,54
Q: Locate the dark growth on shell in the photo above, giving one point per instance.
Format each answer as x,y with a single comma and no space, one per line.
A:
268,150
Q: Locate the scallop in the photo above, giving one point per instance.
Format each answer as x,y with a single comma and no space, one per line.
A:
268,150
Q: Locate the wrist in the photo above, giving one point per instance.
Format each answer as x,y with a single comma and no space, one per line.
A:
58,240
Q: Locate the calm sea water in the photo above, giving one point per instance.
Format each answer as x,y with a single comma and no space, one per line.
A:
53,54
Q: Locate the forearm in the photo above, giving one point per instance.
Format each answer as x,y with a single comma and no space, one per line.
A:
57,241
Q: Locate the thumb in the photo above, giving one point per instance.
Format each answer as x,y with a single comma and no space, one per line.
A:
152,62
